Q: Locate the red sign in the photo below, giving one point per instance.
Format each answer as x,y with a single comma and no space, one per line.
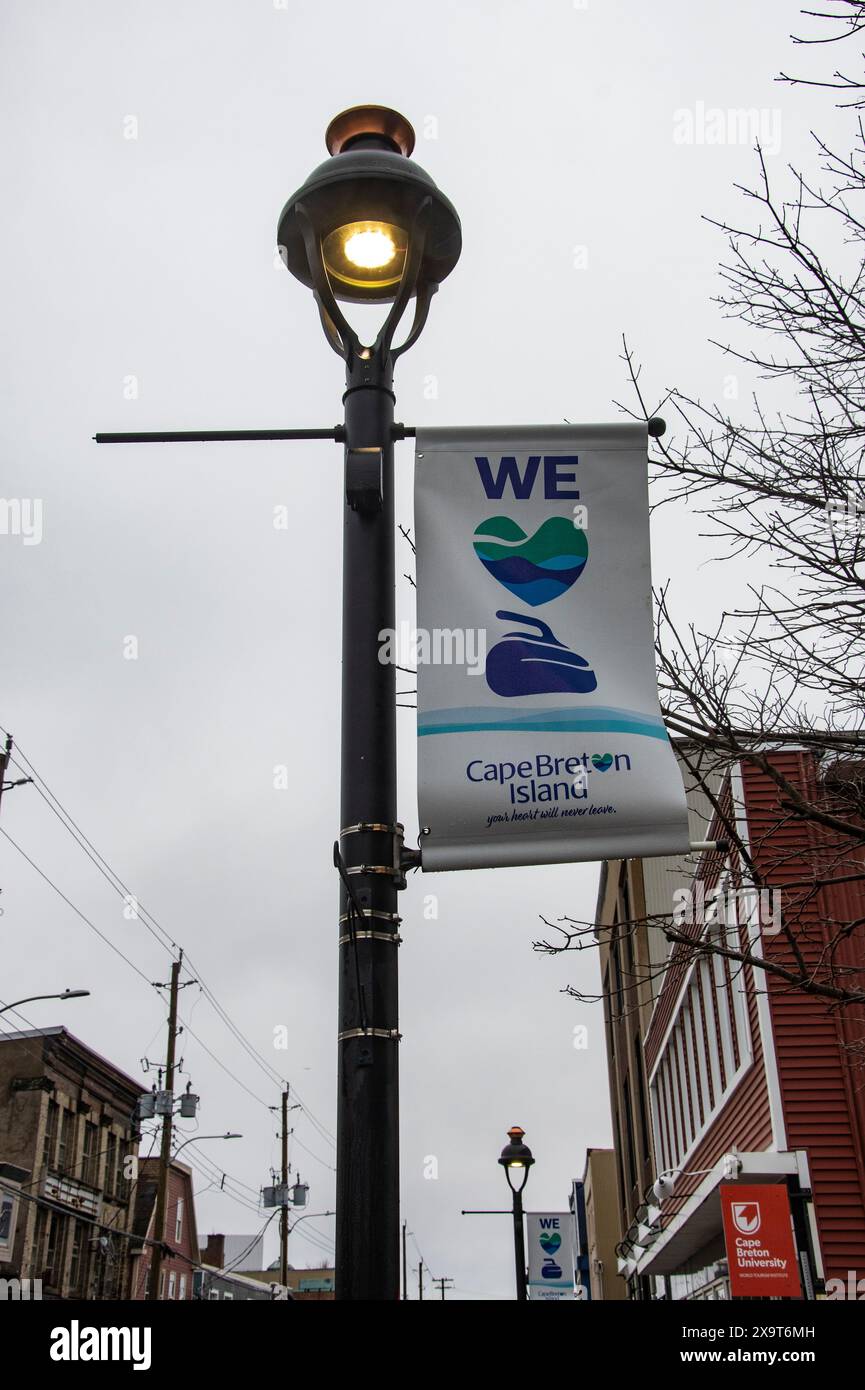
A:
758,1230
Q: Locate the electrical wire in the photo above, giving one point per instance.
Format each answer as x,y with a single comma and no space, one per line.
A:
20,760
107,940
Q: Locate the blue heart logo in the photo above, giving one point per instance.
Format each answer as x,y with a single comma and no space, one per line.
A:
602,761
550,1242
535,568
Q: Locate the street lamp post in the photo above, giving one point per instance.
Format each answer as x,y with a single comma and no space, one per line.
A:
516,1159
66,994
369,225
199,1138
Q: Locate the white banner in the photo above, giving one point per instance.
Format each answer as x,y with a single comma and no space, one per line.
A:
540,738
551,1254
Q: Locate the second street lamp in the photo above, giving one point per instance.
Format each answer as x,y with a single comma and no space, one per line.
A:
369,226
516,1159
32,998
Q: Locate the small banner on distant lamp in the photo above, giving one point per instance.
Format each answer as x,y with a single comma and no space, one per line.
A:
550,1239
540,738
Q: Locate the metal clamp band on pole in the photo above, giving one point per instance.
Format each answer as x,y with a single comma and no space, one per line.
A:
372,912
391,936
389,1034
396,829
373,869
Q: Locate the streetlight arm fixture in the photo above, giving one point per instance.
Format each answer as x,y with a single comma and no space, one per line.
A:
307,1216
197,1139
33,998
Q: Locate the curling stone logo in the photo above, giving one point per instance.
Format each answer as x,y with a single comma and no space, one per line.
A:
535,569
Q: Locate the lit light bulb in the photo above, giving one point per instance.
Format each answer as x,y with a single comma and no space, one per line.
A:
368,256
369,249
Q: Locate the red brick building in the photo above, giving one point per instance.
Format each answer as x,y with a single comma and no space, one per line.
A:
713,1063
181,1234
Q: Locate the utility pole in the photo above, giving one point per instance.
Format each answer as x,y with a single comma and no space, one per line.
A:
165,1151
443,1284
283,1215
5,756
404,1266
4,763
420,1282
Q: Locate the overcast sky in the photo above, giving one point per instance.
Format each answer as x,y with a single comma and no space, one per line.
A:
149,149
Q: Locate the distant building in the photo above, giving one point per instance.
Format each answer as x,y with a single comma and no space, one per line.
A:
239,1253
304,1285
66,1124
181,1235
716,1067
210,1284
602,1228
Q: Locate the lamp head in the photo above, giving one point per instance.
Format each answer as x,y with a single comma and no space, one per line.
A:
516,1159
362,201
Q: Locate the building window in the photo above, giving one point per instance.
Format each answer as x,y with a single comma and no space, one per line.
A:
178,1220
38,1255
706,1051
626,916
620,1163
611,1032
162,1283
640,1084
617,972
629,1131
172,1284
120,1179
55,1249
49,1141
111,1175
90,1154
7,1225
66,1146
182,1294
78,1260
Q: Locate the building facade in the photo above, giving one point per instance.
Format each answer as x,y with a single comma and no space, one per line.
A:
211,1284
67,1124
602,1226
179,1264
719,1071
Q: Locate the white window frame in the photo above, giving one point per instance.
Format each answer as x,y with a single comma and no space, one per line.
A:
172,1283
716,994
178,1220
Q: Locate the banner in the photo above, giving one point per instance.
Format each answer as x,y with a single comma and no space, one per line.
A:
758,1232
540,738
551,1254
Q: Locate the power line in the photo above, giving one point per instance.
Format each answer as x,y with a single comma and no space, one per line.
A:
76,910
157,931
